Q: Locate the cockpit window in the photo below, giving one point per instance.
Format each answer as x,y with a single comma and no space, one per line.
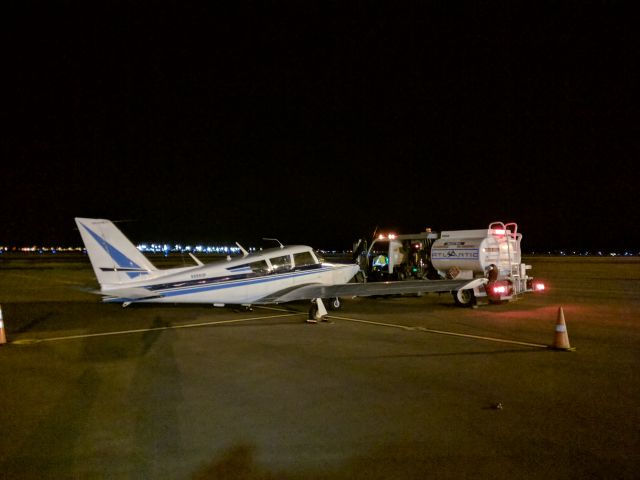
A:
280,264
303,258
319,256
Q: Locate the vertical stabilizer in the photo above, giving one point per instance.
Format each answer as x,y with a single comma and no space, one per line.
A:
113,257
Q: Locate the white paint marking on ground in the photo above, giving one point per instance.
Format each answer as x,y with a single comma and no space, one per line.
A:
441,332
143,330
276,309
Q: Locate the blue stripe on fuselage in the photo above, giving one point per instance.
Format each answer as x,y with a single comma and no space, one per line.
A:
234,283
226,278
188,290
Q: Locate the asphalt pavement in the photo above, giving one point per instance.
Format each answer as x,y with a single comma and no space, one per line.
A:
393,387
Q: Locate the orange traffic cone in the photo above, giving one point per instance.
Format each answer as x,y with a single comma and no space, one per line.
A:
3,337
561,340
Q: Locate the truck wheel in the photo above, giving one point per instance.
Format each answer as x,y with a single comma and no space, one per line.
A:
335,304
464,298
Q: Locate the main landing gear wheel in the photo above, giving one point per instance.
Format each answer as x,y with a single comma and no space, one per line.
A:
317,311
313,312
464,298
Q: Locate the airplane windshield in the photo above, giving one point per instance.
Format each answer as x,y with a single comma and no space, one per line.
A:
303,258
319,256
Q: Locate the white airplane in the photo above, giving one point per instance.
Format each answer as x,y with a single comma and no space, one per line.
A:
270,276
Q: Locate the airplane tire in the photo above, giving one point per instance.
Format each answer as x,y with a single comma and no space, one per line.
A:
464,298
335,303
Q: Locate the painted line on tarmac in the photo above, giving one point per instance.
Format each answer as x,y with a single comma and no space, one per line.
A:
380,324
440,332
28,341
277,309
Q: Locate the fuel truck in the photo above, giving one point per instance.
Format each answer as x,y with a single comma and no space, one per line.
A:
492,253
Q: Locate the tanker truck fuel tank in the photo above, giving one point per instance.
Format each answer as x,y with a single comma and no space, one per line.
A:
492,253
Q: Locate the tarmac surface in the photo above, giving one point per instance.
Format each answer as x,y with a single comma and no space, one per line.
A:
393,387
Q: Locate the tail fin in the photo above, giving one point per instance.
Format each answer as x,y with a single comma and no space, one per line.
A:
113,257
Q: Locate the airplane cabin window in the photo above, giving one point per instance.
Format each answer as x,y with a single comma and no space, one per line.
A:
259,267
281,263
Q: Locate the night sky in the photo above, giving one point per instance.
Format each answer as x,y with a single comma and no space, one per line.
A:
316,122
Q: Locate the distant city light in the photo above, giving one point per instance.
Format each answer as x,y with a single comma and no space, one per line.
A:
166,249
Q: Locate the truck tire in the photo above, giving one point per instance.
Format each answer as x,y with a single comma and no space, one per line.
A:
464,298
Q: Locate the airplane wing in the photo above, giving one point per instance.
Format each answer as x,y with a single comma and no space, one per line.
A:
308,292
